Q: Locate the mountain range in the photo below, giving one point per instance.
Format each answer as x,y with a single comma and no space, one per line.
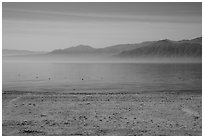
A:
161,48
167,48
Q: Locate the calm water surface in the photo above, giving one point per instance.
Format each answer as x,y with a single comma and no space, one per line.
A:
168,76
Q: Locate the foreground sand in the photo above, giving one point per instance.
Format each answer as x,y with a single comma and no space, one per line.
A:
102,112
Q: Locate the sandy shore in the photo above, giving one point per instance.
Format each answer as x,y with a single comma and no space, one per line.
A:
102,112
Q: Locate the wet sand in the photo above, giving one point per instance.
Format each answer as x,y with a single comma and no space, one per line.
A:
102,112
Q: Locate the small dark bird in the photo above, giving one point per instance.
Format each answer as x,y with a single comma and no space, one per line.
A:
49,78
82,79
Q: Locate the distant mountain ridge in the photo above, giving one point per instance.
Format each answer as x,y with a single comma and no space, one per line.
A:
196,40
74,50
161,48
167,48
84,49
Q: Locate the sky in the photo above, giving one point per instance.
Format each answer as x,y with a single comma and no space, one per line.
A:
47,26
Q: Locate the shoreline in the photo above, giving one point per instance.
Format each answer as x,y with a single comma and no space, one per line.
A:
104,111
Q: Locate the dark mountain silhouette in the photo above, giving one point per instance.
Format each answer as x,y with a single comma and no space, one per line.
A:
167,48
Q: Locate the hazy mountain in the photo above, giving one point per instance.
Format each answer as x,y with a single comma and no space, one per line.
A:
167,48
120,48
13,52
84,49
161,48
80,49
196,40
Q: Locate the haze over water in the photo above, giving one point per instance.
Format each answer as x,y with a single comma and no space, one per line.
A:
154,76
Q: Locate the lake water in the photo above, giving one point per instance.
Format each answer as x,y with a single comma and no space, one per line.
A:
144,75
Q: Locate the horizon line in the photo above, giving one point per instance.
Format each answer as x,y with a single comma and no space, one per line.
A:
100,47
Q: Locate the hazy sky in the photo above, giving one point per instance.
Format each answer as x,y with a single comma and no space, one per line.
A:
47,26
